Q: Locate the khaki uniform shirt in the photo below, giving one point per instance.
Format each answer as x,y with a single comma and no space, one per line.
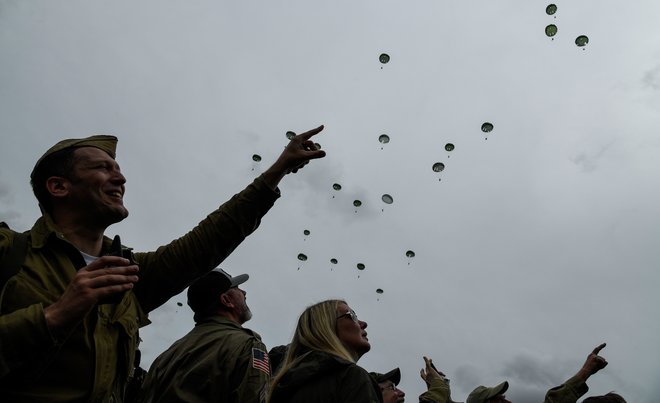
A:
92,362
217,361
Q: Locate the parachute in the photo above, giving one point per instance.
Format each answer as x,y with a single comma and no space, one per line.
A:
581,40
438,167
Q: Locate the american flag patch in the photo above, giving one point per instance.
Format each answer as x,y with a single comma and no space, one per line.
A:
260,360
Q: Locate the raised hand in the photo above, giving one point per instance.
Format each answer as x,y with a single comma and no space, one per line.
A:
295,156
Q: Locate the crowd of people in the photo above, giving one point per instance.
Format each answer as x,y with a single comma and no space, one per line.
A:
72,301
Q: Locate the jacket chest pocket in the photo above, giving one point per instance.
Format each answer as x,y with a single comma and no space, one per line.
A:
125,321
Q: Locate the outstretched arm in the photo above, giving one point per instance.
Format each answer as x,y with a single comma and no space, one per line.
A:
576,386
295,156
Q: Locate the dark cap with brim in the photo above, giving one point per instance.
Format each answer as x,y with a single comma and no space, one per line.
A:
101,141
481,394
206,289
394,376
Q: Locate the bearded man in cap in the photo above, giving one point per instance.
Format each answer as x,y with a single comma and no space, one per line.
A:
70,313
218,360
569,392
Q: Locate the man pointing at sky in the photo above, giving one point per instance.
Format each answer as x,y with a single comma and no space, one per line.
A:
70,312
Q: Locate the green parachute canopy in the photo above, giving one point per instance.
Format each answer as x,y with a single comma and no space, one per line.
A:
438,167
581,40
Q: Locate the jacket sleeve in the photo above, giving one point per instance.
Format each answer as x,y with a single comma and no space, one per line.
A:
172,267
438,392
253,388
24,335
569,392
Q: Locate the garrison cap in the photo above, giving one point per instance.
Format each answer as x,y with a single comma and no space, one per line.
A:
206,289
481,394
394,376
101,141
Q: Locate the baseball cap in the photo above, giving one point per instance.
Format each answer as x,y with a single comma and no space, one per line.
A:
481,393
205,290
394,376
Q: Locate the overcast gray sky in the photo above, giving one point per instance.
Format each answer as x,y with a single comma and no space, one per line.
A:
535,246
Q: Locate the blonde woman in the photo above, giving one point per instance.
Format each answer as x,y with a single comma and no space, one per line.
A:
320,365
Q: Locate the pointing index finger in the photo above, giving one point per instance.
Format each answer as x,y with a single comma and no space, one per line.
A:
308,134
597,349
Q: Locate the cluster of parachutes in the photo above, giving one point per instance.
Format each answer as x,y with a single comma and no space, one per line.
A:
551,29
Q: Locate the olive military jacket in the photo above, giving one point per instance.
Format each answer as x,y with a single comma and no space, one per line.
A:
569,392
93,361
438,392
217,361
324,378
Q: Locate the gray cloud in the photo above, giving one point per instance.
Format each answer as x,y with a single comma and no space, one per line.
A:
588,161
525,369
651,78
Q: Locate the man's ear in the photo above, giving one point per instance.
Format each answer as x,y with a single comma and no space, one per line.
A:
57,186
226,300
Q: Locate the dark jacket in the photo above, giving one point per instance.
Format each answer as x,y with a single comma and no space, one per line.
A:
321,377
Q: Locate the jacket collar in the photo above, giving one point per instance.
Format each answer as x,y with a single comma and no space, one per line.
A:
45,228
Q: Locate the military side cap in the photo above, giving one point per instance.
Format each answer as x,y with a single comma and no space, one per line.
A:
481,394
394,376
100,141
206,289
